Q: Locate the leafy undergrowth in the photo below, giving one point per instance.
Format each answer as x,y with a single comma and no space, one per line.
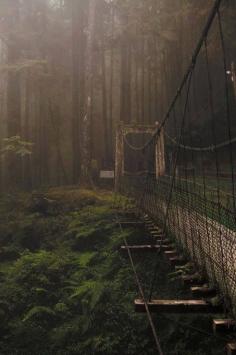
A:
67,289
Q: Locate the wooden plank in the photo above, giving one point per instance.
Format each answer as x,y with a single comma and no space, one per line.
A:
153,229
155,233
223,325
145,247
157,236
160,238
196,279
177,306
148,221
171,253
147,218
203,291
152,226
231,349
164,241
164,246
141,248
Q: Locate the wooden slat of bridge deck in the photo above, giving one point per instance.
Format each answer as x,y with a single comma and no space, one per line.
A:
177,306
171,253
223,325
203,291
146,247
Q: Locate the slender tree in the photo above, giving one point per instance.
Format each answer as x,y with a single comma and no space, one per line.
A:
85,152
13,92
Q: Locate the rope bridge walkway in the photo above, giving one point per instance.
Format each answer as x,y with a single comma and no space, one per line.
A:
187,181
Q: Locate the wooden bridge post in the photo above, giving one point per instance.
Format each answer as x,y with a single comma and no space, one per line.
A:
160,155
123,130
119,159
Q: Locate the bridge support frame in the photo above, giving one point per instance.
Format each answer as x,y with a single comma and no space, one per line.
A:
121,132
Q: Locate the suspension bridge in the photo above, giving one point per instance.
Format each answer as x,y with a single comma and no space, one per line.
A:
184,183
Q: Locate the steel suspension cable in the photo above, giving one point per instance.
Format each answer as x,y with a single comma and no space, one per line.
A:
188,72
210,148
140,289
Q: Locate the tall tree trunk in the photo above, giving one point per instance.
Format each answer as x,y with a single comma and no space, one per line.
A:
75,91
62,176
123,73
125,87
111,85
149,83
13,100
157,107
85,152
233,78
27,168
143,82
43,106
104,97
128,82
136,87
78,49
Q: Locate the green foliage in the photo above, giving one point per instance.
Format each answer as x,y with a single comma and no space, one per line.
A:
39,313
90,292
66,289
85,258
181,271
16,145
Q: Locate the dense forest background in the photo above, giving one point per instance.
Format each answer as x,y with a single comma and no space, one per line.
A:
72,69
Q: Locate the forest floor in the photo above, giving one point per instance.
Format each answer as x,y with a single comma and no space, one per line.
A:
66,288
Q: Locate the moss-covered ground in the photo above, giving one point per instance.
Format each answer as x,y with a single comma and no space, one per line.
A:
66,288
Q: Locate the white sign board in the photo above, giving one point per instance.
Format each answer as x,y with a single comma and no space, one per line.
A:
107,174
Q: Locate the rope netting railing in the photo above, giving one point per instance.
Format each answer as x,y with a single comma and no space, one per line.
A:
194,200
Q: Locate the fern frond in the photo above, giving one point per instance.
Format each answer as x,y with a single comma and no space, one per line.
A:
39,312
